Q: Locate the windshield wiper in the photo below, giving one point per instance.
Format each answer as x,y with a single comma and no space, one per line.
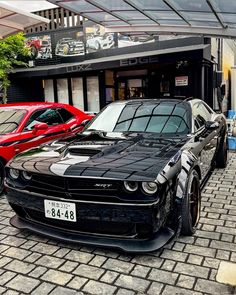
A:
9,123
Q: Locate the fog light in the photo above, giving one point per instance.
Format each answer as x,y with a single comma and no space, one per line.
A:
14,173
149,188
131,186
26,175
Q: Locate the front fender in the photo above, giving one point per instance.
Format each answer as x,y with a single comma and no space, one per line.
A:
184,164
188,162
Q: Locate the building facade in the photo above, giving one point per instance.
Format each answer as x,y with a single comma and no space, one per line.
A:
76,62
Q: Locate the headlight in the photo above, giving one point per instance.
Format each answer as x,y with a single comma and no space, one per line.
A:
26,175
149,188
14,173
131,186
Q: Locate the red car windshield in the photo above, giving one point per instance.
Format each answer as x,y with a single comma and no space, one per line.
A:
10,119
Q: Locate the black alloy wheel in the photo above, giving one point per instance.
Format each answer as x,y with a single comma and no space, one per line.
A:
33,51
191,205
222,154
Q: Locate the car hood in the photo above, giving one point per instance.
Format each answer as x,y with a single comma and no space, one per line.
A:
120,156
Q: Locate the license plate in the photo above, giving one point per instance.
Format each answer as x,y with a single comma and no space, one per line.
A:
60,210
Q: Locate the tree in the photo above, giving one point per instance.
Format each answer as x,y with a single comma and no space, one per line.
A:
13,51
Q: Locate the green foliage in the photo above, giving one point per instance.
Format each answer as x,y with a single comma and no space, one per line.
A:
12,50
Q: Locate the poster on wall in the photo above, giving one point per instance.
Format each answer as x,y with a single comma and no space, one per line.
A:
181,81
125,40
69,43
97,38
40,46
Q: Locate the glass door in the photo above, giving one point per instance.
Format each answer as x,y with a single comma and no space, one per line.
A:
93,94
48,90
62,91
77,93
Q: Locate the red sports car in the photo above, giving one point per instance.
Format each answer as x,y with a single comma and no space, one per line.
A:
26,125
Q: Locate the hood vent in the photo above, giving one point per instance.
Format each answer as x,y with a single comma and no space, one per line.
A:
83,152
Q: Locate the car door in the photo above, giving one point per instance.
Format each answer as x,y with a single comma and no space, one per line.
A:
30,137
207,138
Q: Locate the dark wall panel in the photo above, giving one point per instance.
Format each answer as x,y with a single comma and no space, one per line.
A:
25,90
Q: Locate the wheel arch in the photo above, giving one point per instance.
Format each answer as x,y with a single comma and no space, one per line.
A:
3,160
197,168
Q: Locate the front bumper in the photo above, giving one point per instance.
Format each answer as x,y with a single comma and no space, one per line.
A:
157,241
119,228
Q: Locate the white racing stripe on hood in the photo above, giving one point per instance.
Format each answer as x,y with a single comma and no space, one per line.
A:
60,167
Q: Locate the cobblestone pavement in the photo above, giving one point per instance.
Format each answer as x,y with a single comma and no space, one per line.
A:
31,264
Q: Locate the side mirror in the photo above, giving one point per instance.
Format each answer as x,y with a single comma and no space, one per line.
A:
211,125
40,126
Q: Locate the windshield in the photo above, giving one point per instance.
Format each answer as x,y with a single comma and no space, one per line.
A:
10,120
159,117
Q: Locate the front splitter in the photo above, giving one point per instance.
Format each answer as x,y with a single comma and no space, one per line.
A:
157,241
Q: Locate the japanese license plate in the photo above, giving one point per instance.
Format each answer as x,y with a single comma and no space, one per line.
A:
60,210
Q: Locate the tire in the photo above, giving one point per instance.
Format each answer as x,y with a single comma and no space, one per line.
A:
2,175
34,51
191,205
66,49
222,154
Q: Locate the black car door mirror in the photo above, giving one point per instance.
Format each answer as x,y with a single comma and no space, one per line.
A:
211,125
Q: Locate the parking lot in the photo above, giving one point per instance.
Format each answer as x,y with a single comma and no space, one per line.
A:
31,264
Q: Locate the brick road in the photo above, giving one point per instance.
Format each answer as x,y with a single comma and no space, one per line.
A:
31,264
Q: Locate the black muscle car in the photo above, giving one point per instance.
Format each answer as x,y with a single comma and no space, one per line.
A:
131,180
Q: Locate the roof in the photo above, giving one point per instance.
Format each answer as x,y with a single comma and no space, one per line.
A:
152,100
206,17
114,61
32,106
14,20
29,105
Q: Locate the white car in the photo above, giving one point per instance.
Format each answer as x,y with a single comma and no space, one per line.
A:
97,42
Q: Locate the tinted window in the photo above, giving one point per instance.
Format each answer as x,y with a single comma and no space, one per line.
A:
159,117
201,114
66,115
10,120
48,116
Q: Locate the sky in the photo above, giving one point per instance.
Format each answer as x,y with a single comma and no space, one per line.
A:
29,5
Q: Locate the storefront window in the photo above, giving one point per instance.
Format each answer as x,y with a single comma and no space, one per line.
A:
93,94
135,88
110,94
121,90
77,93
48,90
62,91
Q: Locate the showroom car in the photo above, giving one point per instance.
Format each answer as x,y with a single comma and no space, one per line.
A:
26,125
97,42
131,180
69,47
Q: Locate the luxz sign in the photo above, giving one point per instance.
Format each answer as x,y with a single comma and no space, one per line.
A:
138,61
79,68
123,62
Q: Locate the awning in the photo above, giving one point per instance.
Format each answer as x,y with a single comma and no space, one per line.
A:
114,62
205,17
13,20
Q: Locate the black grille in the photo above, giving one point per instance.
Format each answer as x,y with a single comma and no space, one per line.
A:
47,185
85,189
